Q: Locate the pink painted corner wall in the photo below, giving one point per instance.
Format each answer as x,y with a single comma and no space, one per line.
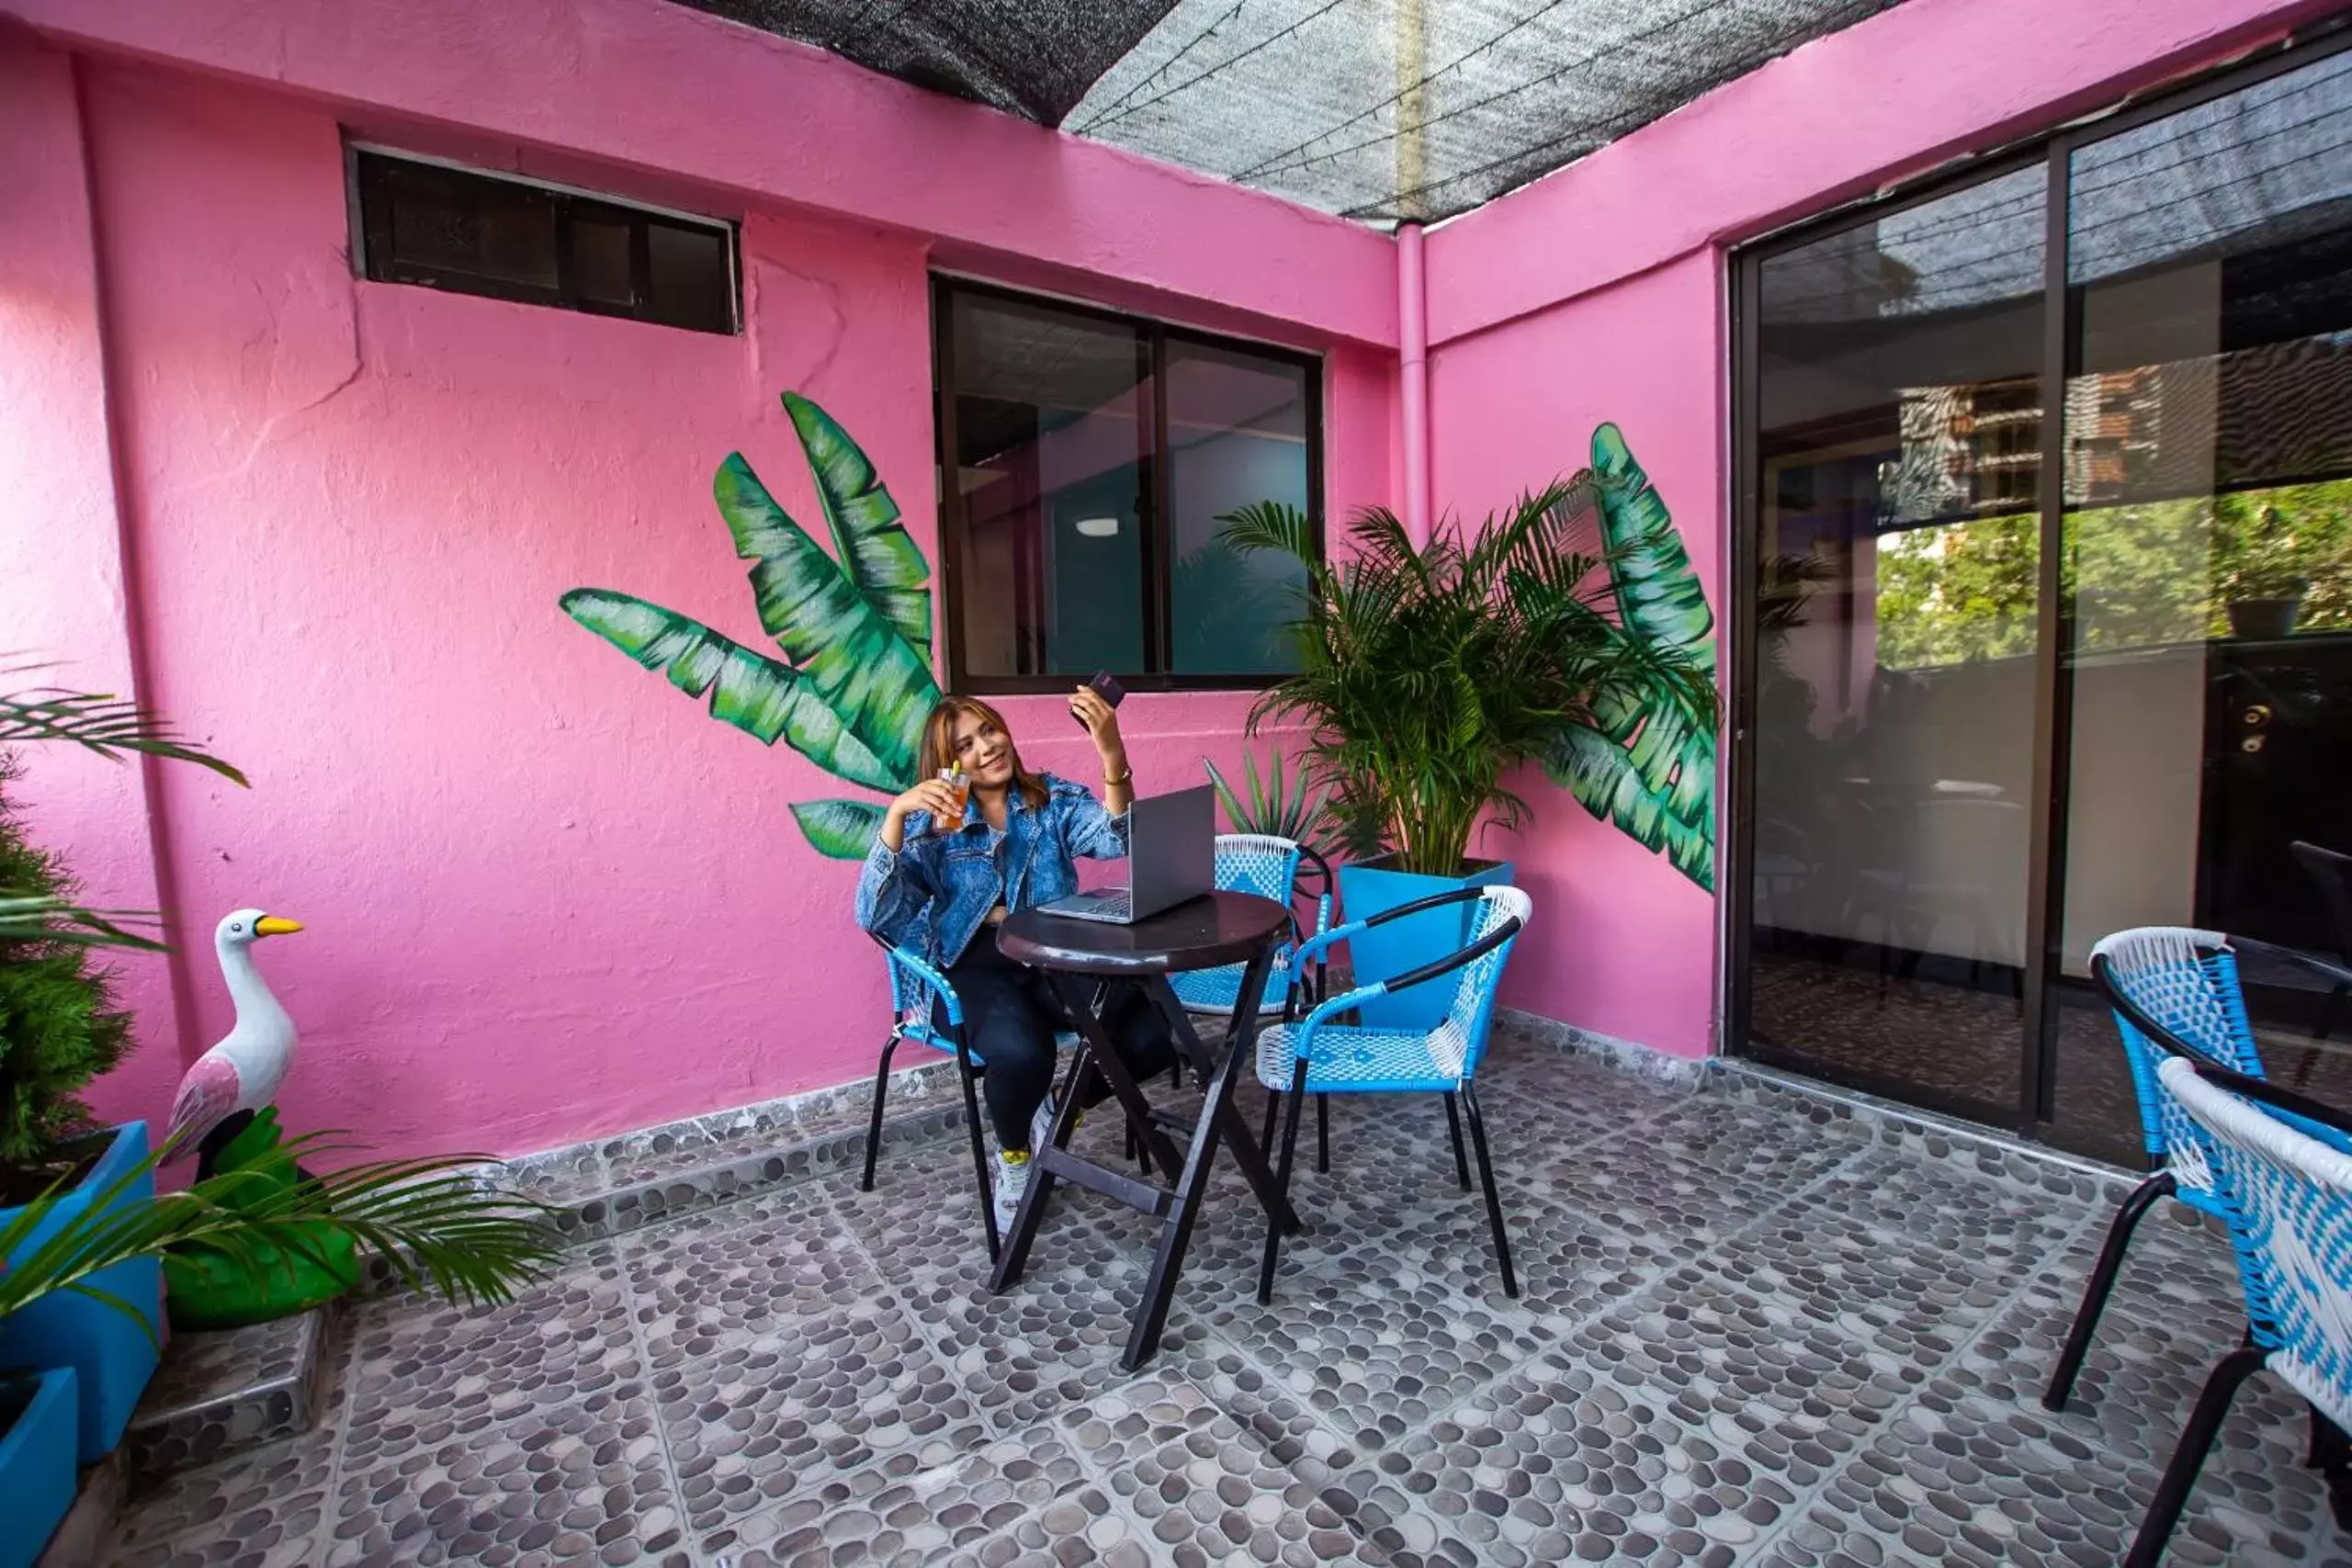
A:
1621,943
546,896
63,571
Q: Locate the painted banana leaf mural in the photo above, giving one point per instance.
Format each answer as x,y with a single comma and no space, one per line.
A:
854,684
1649,765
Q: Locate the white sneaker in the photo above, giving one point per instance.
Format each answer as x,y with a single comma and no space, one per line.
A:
1012,1182
1041,1124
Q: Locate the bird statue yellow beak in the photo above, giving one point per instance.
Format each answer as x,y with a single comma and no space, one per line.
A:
270,925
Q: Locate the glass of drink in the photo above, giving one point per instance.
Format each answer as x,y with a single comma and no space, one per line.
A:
959,785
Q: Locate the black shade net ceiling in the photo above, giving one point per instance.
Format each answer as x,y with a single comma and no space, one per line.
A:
1379,110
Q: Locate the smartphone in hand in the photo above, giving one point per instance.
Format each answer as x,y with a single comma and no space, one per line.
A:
1109,690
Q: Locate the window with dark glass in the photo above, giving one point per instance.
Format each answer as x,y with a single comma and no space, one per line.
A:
470,232
1086,461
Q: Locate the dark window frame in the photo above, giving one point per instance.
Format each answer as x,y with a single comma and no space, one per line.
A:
2033,1115
1153,338
374,258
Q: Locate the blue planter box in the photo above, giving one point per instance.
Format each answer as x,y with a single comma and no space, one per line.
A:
1371,888
112,1357
37,1471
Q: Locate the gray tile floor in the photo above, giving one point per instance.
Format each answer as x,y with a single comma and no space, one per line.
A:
1753,1330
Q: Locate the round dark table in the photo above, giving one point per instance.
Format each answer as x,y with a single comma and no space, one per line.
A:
1076,957
1200,934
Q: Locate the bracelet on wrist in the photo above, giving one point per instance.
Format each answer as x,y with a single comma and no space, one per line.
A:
1125,773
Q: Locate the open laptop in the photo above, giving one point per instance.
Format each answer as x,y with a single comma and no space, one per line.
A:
1171,856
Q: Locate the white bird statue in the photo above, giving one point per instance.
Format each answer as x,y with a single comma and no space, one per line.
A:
242,1072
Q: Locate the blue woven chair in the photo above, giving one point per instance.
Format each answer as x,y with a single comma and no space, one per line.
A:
2171,990
1321,1053
925,1009
2278,1169
1271,867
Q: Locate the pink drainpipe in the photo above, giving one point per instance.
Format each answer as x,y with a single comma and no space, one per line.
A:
1413,364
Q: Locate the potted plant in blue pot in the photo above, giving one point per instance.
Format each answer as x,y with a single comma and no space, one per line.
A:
60,1030
1430,673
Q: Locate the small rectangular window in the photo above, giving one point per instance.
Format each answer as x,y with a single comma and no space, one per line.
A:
471,232
1086,457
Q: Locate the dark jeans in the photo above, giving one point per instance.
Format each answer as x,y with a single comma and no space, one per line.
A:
1010,1017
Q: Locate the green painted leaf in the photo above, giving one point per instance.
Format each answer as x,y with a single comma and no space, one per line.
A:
842,829
847,651
759,695
1601,775
880,556
1649,765
1658,593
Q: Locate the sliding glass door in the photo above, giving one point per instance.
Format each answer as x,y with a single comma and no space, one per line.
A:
2046,578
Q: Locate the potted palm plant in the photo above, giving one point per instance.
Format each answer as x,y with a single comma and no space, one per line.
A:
1430,673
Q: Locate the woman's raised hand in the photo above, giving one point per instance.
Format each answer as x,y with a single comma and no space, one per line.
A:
1102,721
932,795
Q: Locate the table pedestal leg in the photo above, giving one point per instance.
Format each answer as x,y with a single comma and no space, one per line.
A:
1217,1117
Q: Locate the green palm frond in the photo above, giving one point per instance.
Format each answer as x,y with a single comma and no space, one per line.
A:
1285,805
42,917
1429,672
436,1222
95,721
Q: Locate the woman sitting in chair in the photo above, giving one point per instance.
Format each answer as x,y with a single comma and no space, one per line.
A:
942,877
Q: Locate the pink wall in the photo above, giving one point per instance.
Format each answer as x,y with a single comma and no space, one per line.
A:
547,896
1620,942
63,569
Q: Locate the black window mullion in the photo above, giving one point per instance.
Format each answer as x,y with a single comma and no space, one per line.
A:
641,263
2054,622
566,265
1157,584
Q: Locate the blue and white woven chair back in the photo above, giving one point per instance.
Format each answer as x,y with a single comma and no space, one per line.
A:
2287,1199
2185,981
1459,1042
1246,863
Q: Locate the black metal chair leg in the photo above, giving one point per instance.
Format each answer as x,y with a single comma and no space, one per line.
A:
1454,1130
2102,1281
873,1125
979,1153
1487,1180
1282,1182
2188,1458
1323,1134
1273,1116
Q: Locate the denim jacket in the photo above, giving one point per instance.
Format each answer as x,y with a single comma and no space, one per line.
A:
931,895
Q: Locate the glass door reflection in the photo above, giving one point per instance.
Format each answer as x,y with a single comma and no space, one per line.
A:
2207,647
1899,441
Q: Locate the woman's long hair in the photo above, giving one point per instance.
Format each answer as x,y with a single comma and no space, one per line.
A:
938,750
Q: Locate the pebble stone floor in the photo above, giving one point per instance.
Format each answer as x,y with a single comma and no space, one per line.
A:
1754,1331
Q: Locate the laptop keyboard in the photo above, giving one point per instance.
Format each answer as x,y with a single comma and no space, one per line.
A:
1111,903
